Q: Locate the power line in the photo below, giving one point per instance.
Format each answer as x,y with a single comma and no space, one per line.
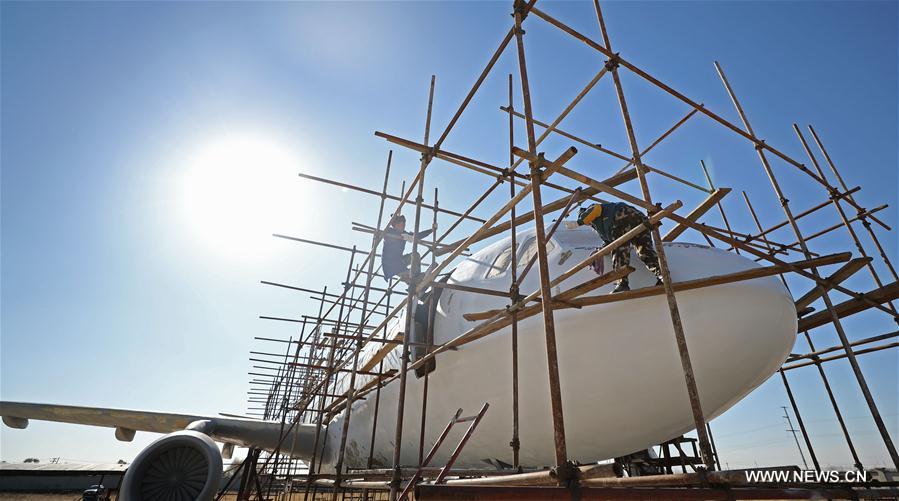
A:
794,430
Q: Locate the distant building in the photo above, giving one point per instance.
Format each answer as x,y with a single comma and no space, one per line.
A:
883,475
58,477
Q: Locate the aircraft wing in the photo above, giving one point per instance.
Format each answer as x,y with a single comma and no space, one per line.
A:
17,414
244,432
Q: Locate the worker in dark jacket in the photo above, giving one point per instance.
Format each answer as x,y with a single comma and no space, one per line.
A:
612,220
393,261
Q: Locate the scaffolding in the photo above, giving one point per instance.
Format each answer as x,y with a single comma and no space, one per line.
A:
315,376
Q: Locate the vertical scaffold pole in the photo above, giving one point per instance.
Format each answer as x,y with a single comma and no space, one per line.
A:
705,448
331,372
374,421
808,442
513,289
783,375
321,402
861,249
410,306
351,388
284,408
838,326
865,223
839,208
708,178
833,403
294,463
429,339
555,390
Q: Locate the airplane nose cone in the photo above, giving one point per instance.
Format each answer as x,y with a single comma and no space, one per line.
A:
622,369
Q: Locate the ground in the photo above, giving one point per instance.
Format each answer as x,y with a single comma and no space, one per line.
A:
72,496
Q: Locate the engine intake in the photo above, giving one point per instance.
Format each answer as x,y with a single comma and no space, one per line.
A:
184,466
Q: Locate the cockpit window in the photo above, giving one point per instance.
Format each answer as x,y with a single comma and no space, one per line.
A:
500,264
529,250
526,251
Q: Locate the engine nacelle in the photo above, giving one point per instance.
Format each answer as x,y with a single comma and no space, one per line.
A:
182,465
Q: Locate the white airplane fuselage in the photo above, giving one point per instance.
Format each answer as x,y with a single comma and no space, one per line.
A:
622,384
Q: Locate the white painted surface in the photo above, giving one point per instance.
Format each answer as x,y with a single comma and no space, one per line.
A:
622,385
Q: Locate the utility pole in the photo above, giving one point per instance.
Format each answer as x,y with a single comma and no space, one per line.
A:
793,431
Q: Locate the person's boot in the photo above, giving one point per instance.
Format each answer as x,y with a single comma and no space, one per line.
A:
621,287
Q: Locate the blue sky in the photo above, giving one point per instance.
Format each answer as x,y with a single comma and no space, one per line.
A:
130,270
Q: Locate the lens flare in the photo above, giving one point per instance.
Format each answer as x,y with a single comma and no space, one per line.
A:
238,190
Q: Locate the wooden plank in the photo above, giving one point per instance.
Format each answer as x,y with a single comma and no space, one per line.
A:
696,213
880,295
487,328
562,300
686,285
715,234
846,271
368,229
559,204
817,354
712,281
384,195
429,277
841,355
466,288
338,405
606,249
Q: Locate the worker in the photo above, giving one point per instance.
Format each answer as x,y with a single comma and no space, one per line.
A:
612,220
393,261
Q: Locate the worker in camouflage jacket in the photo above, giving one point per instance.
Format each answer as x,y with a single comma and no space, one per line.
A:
611,221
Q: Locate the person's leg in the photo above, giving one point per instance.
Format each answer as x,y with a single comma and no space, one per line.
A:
408,273
403,276
407,261
629,218
417,262
647,253
622,255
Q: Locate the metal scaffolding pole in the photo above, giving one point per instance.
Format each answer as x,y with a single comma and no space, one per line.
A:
808,441
839,208
515,443
552,357
865,223
411,304
324,371
692,390
429,340
351,387
785,204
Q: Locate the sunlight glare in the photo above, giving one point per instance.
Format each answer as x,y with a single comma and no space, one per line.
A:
237,191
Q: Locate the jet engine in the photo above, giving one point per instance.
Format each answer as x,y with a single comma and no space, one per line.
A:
184,465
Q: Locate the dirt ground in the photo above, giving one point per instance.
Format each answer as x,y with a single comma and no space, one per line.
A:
22,496
73,496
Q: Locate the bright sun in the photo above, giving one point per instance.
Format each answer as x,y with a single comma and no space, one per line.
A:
238,190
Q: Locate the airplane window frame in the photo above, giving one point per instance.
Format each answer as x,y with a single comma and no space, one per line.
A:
495,271
530,242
